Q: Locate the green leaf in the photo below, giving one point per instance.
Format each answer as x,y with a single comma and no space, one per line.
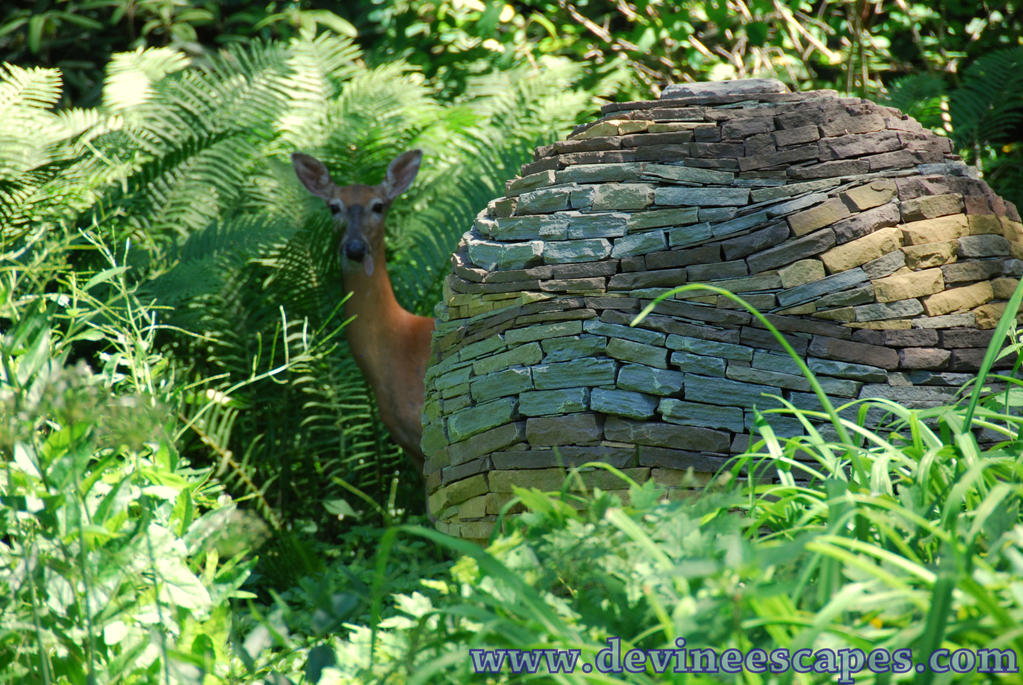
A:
338,25
757,32
36,26
104,276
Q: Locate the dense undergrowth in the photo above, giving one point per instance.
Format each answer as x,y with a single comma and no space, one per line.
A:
124,563
195,489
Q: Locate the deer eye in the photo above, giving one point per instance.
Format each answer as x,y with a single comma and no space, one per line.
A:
377,207
335,207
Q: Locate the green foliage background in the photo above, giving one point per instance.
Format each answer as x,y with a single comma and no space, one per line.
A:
175,391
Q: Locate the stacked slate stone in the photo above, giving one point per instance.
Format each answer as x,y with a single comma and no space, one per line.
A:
883,259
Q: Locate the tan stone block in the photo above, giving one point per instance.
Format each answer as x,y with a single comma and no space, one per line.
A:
988,315
600,129
942,229
923,358
844,314
932,206
981,224
637,126
822,215
930,254
1004,287
905,286
889,325
1012,230
801,272
958,299
870,195
862,250
674,126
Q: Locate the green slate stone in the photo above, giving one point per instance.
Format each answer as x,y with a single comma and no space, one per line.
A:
698,364
709,348
659,218
615,330
452,378
500,384
548,402
599,225
544,200
633,405
728,392
468,422
639,244
543,331
575,373
523,355
631,351
699,414
640,378
570,251
573,347
702,197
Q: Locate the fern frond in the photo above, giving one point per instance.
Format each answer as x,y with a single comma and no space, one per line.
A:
131,75
35,88
988,106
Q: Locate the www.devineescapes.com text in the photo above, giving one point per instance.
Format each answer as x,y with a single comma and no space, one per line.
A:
841,662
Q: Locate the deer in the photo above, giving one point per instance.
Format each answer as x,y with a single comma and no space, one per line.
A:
391,345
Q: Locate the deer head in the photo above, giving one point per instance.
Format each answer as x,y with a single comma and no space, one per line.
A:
359,210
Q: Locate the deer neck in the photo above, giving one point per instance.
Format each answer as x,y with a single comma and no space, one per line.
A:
378,318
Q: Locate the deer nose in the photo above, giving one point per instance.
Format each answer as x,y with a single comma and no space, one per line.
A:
355,249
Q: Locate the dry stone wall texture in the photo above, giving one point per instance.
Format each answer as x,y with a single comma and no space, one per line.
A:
884,259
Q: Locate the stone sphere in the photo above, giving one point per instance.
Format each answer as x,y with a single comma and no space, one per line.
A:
882,257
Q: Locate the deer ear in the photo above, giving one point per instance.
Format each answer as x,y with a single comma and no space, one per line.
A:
401,172
313,175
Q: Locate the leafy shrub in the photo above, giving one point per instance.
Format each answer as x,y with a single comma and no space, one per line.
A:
119,560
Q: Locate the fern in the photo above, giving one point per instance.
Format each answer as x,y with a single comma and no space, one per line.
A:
988,106
37,152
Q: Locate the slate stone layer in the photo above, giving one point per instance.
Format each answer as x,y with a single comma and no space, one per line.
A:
882,257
